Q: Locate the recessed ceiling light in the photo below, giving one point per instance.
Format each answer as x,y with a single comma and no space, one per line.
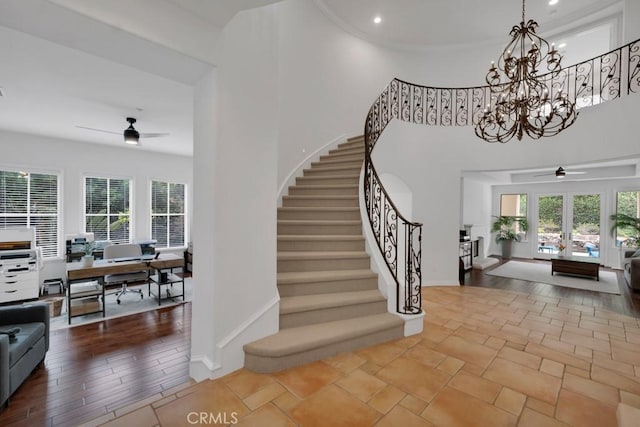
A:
377,20
552,2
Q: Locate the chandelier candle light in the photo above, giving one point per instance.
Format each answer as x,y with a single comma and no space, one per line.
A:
525,101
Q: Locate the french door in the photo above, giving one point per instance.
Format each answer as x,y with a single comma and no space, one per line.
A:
568,224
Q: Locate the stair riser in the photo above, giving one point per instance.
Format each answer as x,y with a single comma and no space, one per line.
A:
358,157
353,180
318,203
319,215
338,229
332,172
294,320
336,164
263,364
310,190
352,144
320,245
314,288
285,266
348,150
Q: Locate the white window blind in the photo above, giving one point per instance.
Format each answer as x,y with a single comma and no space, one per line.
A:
31,200
107,209
168,214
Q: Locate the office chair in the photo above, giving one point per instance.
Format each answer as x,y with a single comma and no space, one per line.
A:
123,251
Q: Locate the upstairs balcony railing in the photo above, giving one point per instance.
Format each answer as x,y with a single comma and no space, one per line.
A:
597,80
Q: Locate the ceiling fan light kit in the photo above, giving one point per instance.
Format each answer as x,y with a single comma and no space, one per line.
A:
131,135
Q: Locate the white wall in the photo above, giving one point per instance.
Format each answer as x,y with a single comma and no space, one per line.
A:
74,160
476,210
236,169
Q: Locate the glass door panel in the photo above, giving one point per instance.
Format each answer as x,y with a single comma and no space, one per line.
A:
550,230
585,225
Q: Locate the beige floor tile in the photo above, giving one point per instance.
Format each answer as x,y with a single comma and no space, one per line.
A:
247,383
593,389
511,329
535,336
579,331
266,415
453,408
386,399
584,352
467,351
630,399
216,399
525,380
579,372
370,368
615,379
475,386
286,401
515,345
469,335
425,355
143,417
578,410
413,404
558,356
450,365
511,401
625,352
401,417
545,328
381,354
551,367
434,333
361,384
636,369
532,418
333,406
495,343
540,406
307,379
408,342
163,401
605,360
264,395
565,347
412,377
520,357
345,362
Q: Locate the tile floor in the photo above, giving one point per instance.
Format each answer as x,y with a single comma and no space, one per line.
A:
486,357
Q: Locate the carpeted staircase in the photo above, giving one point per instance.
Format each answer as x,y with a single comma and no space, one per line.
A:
330,301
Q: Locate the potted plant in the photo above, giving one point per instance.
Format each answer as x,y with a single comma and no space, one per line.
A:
505,229
629,222
87,259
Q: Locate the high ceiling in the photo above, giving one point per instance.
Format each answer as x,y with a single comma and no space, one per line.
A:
69,63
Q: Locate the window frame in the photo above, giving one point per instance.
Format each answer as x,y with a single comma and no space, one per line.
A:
109,178
516,223
168,214
53,250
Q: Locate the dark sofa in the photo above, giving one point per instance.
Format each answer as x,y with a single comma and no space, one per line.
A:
21,355
631,266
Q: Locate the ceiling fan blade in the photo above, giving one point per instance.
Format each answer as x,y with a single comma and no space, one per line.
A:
546,174
575,173
99,130
152,135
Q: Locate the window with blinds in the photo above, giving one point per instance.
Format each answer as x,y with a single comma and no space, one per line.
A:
107,211
168,214
31,200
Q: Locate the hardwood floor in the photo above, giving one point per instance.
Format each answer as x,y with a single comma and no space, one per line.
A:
628,302
91,370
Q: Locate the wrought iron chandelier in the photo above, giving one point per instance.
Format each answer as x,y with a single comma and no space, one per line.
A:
525,101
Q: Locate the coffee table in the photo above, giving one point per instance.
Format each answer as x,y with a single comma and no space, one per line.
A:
581,266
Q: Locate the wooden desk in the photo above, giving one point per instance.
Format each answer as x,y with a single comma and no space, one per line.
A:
76,272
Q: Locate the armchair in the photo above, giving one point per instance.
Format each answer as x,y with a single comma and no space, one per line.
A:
20,356
631,267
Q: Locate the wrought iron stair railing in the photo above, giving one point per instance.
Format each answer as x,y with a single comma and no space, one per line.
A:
597,80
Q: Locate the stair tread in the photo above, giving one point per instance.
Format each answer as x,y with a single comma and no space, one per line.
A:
326,186
303,338
320,208
321,196
336,168
320,237
301,303
320,221
323,276
305,178
287,255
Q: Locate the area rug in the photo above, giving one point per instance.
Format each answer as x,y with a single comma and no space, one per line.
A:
129,304
541,273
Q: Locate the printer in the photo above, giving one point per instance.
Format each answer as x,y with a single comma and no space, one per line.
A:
19,264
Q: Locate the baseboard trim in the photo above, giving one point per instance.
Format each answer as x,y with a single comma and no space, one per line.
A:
202,368
247,323
439,283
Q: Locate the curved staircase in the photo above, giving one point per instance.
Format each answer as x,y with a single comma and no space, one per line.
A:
329,298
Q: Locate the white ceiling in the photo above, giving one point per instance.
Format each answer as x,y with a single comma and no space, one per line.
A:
69,63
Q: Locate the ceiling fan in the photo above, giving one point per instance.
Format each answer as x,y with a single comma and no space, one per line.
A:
561,173
130,134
